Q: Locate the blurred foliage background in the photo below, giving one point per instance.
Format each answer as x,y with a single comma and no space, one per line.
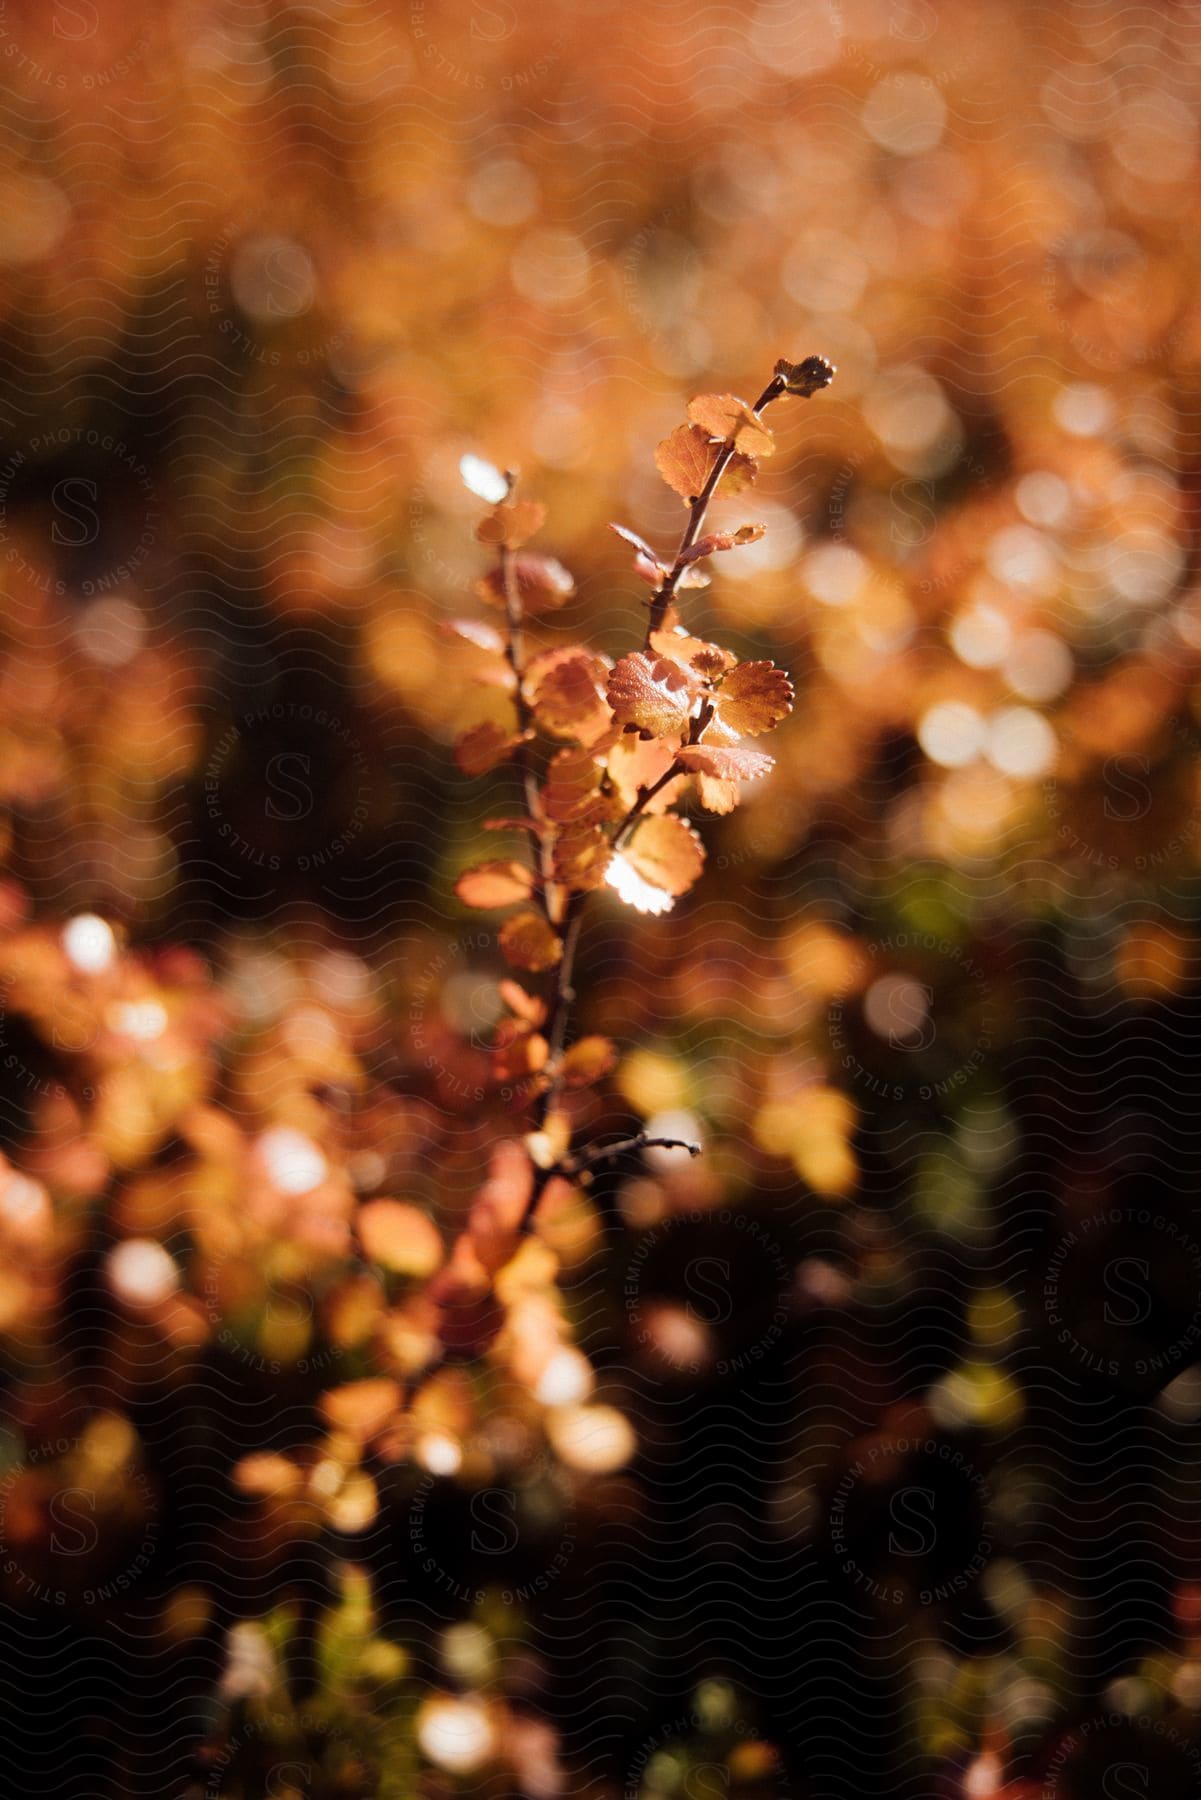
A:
860,1454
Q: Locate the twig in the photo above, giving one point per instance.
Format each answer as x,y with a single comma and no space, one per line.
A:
696,518
587,1159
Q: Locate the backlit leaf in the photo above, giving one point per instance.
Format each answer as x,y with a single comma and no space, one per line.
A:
495,884
714,541
667,853
400,1237
732,764
716,795
652,693
753,698
635,542
686,459
727,417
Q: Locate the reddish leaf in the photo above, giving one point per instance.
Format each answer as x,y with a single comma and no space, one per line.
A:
589,1060
753,698
735,764
399,1237
528,942
724,540
652,693
495,884
484,746
542,584
512,523
727,417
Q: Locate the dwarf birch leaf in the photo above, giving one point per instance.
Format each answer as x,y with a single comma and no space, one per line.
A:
730,419
652,693
734,764
667,853
753,698
495,884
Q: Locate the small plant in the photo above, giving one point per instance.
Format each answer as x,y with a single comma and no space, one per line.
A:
629,743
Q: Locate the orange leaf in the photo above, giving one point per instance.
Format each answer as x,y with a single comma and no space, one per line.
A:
528,942
727,417
736,764
399,1237
693,653
588,1060
484,746
567,689
686,459
512,523
716,795
651,693
667,853
635,763
753,698
581,857
495,884
542,584
362,1408
571,792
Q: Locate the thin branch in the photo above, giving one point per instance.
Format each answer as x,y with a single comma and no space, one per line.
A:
803,379
696,517
587,1159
